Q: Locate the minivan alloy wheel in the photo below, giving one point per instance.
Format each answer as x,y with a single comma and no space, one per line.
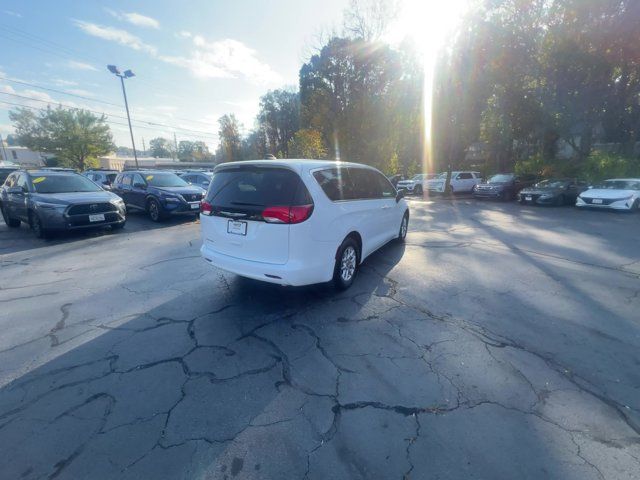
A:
348,263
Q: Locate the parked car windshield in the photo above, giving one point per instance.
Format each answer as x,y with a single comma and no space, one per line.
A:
63,184
552,184
500,178
164,179
619,185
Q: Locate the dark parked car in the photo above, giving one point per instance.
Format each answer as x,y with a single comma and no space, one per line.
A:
50,200
503,186
159,193
201,179
553,192
104,178
6,169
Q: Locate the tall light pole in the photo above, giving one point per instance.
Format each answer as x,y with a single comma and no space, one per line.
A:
126,74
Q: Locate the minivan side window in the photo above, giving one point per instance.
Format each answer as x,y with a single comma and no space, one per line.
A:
335,183
126,179
365,183
387,189
465,176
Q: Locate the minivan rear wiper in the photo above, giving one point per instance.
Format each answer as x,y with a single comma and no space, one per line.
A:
245,204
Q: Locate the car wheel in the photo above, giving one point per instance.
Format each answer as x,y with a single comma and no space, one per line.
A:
153,208
504,196
560,201
636,206
404,227
36,226
418,190
11,222
346,266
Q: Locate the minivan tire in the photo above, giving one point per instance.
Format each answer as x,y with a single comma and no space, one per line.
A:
11,222
404,227
346,267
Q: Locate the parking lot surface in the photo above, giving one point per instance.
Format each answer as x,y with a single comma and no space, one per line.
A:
499,342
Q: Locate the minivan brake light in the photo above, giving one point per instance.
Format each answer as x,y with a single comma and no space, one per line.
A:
288,215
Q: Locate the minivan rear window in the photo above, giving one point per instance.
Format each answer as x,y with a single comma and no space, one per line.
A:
249,189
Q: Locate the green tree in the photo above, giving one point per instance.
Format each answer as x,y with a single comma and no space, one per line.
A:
161,148
307,143
230,148
75,137
279,119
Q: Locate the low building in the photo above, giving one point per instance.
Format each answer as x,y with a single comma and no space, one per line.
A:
23,156
114,162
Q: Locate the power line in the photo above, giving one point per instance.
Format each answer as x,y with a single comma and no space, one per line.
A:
110,121
53,90
50,102
72,54
62,92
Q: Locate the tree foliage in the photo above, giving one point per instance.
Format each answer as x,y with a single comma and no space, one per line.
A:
160,147
307,143
230,148
75,137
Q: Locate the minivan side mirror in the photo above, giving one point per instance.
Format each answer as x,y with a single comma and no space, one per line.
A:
399,195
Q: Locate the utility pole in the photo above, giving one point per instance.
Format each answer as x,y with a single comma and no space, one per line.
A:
126,74
4,151
144,147
175,141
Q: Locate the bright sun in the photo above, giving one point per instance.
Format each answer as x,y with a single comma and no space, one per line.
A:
429,24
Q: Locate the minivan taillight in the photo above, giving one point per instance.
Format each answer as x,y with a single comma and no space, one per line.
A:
289,215
205,208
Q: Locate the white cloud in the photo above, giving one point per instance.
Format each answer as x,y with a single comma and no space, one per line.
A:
115,35
134,18
13,14
81,66
64,83
226,58
79,91
184,34
141,20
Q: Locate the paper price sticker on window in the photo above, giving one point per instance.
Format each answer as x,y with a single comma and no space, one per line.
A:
149,177
39,179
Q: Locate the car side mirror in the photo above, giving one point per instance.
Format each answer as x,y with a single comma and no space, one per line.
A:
399,195
140,185
205,184
15,190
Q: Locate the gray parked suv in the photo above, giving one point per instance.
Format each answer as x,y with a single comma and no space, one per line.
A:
50,200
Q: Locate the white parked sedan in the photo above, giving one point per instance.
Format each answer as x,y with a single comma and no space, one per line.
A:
299,222
616,194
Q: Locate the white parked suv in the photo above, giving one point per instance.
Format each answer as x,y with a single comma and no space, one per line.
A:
299,222
460,182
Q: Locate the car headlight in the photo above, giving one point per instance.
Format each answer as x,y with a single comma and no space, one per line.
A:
170,198
52,206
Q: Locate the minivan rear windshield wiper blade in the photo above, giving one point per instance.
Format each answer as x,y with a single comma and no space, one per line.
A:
245,204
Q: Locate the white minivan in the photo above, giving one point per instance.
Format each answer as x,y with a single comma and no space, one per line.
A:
299,222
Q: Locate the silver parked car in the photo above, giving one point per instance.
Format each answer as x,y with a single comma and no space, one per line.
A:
49,200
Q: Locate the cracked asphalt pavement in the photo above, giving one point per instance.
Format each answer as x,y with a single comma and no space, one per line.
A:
499,342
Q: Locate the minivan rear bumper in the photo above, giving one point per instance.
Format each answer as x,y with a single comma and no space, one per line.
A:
291,273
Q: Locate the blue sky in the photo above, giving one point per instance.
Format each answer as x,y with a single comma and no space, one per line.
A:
194,60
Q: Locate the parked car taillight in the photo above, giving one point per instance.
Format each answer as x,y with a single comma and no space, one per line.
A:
289,215
205,208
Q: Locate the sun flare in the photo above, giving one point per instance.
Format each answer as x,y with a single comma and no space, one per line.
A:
428,25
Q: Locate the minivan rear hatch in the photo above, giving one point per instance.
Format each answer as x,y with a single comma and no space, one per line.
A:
249,209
